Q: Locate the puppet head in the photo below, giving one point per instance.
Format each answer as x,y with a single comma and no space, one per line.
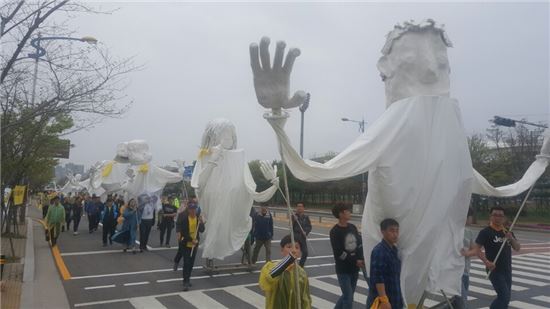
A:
415,61
135,152
221,132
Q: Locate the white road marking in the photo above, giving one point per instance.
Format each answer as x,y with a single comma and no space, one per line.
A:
247,295
136,283
532,259
335,289
518,272
545,299
514,279
201,300
523,305
99,287
480,290
146,303
320,303
487,282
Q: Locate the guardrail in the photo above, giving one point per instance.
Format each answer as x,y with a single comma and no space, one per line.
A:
278,212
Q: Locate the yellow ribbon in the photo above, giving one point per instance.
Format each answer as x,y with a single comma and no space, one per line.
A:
144,168
203,152
107,169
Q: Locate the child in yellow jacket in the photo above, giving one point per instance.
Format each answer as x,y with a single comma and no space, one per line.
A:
277,280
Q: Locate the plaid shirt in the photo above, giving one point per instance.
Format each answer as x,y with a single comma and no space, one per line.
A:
385,267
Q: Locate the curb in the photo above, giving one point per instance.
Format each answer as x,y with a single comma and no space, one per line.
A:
28,269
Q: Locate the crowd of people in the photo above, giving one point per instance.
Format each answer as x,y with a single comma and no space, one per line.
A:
276,277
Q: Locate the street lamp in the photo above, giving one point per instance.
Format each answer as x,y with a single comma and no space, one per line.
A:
303,109
507,122
363,176
40,51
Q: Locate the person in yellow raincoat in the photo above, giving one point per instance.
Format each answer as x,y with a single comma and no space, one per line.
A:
55,218
277,280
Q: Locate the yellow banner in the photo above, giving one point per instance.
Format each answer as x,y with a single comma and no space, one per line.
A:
18,195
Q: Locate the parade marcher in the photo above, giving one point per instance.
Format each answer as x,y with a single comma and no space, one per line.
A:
277,279
263,233
68,206
54,219
127,233
77,213
301,225
93,210
169,212
347,248
45,202
109,221
385,269
146,215
190,228
491,238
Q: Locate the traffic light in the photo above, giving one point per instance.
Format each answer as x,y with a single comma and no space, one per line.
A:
505,122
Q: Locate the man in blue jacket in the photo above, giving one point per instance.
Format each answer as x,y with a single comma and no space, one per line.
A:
108,219
263,233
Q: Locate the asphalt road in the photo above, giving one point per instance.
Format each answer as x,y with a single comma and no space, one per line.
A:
105,277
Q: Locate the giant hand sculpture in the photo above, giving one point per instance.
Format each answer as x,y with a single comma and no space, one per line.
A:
272,83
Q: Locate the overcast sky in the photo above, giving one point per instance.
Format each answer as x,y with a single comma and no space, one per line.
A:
197,68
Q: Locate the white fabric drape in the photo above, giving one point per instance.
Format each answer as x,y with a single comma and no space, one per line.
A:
420,173
226,198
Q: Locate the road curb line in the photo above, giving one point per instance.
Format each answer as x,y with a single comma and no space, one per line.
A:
60,264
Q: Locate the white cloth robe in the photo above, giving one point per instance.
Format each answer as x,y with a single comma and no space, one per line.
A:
225,200
420,173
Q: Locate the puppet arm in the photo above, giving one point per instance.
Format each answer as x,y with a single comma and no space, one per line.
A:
481,186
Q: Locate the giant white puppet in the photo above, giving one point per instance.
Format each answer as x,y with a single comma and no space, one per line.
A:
144,177
416,153
73,184
226,190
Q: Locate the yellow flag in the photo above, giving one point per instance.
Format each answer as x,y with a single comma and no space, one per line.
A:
18,195
107,169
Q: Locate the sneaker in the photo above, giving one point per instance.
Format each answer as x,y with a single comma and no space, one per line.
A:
75,233
185,287
175,266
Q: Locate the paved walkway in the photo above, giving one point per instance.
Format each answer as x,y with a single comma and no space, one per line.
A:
13,269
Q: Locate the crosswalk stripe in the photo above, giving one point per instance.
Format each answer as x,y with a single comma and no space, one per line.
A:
480,290
546,271
514,279
146,303
545,299
523,305
532,259
247,295
360,283
519,272
318,302
487,282
335,289
543,256
532,264
201,300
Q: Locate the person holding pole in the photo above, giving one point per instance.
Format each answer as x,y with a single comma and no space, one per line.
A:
189,226
278,283
491,239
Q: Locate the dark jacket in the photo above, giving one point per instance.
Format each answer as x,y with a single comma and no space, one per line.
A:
263,226
300,222
114,215
182,227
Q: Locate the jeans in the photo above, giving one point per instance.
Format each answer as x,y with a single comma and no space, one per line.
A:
92,218
258,246
347,283
464,291
188,262
502,283
144,231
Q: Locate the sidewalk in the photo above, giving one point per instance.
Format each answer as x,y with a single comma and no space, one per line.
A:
13,269
33,282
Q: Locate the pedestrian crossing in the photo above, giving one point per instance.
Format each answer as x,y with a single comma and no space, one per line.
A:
325,291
